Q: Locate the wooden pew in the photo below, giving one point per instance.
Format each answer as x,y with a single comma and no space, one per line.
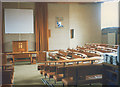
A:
69,75
59,74
52,70
52,55
41,68
83,74
7,74
86,53
103,51
48,70
7,67
81,48
104,45
7,77
76,56
87,73
45,70
63,53
91,60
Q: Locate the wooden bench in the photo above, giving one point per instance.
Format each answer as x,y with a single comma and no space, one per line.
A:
59,73
69,75
87,74
83,74
7,74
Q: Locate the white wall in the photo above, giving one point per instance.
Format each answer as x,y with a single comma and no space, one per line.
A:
59,37
85,19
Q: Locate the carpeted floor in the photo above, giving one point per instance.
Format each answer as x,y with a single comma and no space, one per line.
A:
26,74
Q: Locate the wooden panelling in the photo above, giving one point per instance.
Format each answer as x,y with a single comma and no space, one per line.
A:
42,56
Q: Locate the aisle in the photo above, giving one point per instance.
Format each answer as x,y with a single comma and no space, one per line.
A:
27,75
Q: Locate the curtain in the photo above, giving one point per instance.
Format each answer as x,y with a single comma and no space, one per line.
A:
41,26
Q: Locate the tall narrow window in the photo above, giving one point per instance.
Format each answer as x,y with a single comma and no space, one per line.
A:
109,14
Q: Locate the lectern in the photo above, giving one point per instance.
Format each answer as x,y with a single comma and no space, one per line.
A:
20,46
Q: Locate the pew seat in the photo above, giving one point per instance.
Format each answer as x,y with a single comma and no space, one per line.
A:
58,77
50,74
48,69
41,72
45,73
70,75
68,81
52,70
41,68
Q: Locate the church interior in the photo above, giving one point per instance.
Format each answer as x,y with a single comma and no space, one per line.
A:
62,43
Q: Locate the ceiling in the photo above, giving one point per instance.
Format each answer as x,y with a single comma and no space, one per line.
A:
57,0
